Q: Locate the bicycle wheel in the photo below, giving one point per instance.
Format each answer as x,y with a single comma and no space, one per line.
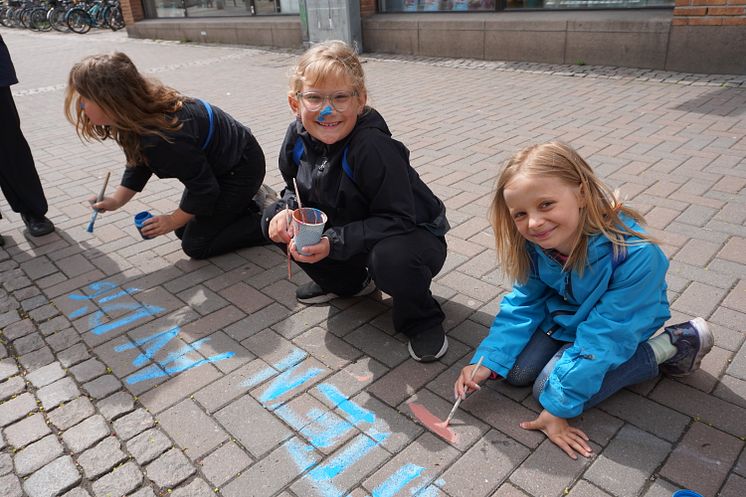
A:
56,18
114,18
4,17
25,18
39,20
79,21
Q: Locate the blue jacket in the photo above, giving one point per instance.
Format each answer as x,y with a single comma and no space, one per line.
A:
606,313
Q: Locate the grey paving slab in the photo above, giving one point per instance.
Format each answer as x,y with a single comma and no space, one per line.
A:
170,469
101,458
121,481
27,430
37,454
85,434
192,429
53,479
148,445
71,413
225,463
133,424
60,391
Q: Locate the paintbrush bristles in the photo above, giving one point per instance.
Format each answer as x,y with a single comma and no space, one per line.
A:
99,198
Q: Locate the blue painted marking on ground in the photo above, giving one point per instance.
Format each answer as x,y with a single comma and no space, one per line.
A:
140,311
394,483
296,356
98,288
326,431
155,343
152,371
303,455
352,453
109,298
258,378
78,312
431,491
286,382
353,412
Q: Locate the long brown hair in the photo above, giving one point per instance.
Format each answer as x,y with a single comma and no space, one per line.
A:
138,106
599,214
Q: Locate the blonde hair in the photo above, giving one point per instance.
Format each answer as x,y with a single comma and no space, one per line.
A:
328,60
138,106
599,214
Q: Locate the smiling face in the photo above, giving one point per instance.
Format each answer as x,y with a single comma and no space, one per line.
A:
546,210
327,124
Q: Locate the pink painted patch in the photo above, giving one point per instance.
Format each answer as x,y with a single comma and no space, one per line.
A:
433,423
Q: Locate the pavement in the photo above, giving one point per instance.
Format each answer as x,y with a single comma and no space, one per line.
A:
128,369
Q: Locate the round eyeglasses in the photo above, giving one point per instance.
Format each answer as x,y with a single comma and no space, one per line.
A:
314,101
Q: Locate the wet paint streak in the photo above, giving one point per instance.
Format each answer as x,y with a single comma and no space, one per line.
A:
352,453
109,298
433,423
152,371
296,356
258,378
98,288
141,311
286,382
303,455
394,483
326,431
431,491
353,412
159,340
78,312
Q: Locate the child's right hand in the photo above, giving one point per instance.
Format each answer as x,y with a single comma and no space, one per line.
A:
280,228
106,204
464,385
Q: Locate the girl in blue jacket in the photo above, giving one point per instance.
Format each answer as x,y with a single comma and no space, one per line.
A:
589,292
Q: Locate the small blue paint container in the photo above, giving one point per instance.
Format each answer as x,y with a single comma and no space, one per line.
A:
686,493
140,218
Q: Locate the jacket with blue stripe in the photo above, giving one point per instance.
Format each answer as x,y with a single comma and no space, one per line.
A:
364,183
606,313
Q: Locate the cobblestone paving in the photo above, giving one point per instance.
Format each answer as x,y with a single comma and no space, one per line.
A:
128,369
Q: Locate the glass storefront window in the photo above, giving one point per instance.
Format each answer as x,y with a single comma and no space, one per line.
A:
436,5
219,8
492,5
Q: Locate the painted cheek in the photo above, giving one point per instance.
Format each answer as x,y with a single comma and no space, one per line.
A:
326,111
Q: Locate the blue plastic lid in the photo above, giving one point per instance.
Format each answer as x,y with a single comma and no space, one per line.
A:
686,493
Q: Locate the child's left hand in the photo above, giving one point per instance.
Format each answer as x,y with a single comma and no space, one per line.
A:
311,253
559,431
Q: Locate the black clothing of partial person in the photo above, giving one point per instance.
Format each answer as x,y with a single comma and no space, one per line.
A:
383,223
221,175
19,180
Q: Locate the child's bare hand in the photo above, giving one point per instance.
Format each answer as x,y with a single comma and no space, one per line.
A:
311,253
559,431
280,228
106,204
464,385
158,225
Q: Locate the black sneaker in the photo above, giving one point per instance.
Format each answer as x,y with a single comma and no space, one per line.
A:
693,340
312,293
429,345
37,226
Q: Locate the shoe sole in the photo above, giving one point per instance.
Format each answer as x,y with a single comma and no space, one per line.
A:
434,358
328,297
706,341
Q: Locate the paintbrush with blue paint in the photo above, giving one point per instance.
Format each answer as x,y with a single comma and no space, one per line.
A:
100,197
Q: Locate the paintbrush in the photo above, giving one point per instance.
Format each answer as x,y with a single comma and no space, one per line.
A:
100,197
289,220
458,401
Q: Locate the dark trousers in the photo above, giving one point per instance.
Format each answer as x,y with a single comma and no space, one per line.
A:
235,222
403,266
19,180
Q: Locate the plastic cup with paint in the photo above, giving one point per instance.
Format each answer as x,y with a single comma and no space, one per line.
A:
308,224
686,493
140,219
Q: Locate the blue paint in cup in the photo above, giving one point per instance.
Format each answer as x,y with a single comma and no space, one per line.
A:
686,493
140,218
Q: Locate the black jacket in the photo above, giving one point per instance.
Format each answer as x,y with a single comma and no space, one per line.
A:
383,197
7,71
200,171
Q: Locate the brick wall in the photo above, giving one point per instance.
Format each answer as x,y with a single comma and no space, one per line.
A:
710,13
132,11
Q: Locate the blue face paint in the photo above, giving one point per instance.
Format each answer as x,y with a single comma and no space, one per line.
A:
326,111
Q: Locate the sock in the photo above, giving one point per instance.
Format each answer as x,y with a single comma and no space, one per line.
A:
662,348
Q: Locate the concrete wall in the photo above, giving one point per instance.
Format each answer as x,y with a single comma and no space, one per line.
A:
643,38
274,31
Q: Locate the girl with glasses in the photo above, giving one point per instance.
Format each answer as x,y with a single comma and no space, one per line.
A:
170,135
385,227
